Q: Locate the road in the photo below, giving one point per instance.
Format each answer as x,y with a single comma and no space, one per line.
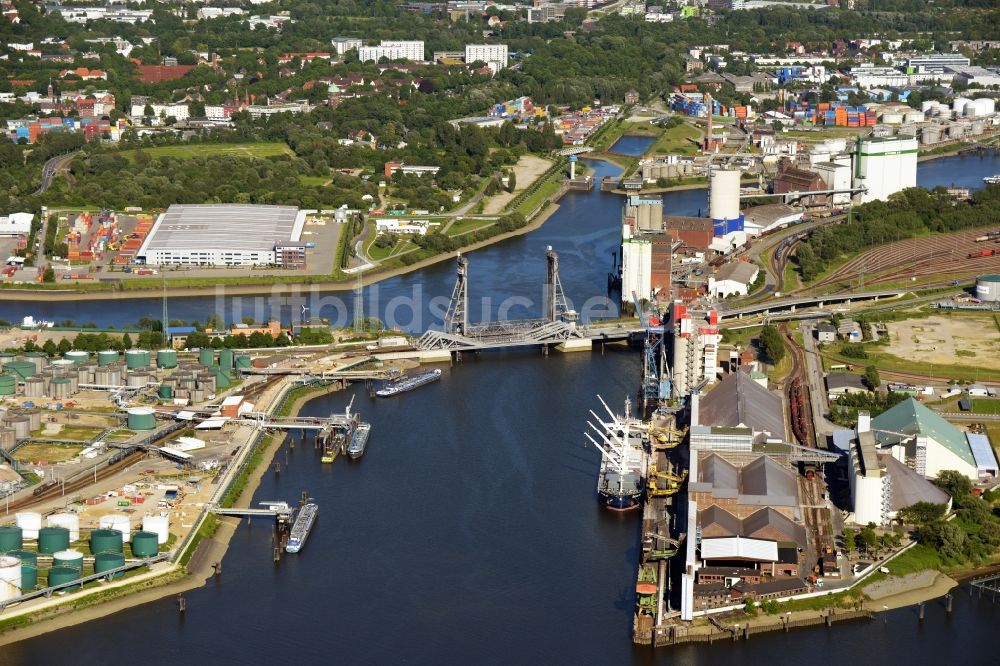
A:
817,390
51,168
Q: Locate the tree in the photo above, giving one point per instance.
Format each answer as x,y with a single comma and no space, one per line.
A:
955,484
127,341
49,275
64,346
282,340
921,513
872,379
750,608
771,344
849,541
511,181
50,348
867,538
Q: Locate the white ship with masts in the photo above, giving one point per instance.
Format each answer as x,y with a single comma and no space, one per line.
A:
622,443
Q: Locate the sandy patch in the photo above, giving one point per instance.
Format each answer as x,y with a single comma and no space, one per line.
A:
527,170
966,341
901,591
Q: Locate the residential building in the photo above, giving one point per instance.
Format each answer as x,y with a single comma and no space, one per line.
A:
488,53
393,50
826,332
344,44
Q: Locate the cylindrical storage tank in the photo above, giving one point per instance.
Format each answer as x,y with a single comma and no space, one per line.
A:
107,561
988,288
206,356
60,575
11,537
37,359
85,374
60,388
10,578
70,521
77,356
52,540
160,525
106,541
197,395
34,418
137,379
136,358
68,558
987,106
166,392
209,383
914,117
166,358
977,127
222,380
109,375
226,359
141,418
8,437
892,118
8,384
724,194
30,524
116,521
145,544
958,104
20,369
107,357
182,393
61,367
930,135
971,110
20,424
7,357
29,568
243,361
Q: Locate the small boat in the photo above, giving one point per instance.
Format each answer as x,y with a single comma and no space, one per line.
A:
359,440
328,455
301,527
408,383
992,180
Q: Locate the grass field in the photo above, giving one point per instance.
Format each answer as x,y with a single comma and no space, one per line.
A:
51,453
986,405
314,180
677,140
253,150
463,226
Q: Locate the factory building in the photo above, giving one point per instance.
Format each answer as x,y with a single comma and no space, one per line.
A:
636,265
643,213
885,166
694,349
694,232
768,217
16,224
225,235
661,254
736,416
836,176
733,279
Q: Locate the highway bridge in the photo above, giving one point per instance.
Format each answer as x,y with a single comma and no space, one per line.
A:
793,304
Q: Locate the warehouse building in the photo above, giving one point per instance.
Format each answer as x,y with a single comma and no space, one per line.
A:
226,235
16,224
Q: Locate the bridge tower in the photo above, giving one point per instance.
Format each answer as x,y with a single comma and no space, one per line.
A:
555,300
456,320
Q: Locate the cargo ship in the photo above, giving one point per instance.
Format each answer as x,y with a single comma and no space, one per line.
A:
359,440
408,383
992,180
301,527
621,481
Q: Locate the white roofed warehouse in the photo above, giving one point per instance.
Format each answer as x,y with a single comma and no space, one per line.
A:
222,235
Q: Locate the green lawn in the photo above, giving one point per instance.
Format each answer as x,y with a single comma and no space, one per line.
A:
466,225
986,405
379,253
677,140
254,150
314,180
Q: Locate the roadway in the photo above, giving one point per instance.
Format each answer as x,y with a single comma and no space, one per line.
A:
51,168
817,389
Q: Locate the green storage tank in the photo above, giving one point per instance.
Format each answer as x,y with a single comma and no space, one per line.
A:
141,418
77,356
226,359
106,541
166,358
136,358
11,537
222,379
166,392
107,561
8,384
144,544
20,369
243,361
60,575
107,357
206,356
29,569
52,540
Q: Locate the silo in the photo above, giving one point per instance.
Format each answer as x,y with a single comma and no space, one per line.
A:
69,558
724,200
243,361
77,356
10,578
52,540
144,544
107,357
60,388
159,525
20,424
30,524
34,418
29,568
166,358
60,575
206,356
10,537
20,369
138,379
7,438
141,418
107,561
116,521
136,358
70,521
8,384
38,359
226,359
165,392
105,541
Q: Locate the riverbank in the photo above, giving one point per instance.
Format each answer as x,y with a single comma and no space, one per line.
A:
173,579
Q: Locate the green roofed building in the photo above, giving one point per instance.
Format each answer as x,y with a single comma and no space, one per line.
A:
924,439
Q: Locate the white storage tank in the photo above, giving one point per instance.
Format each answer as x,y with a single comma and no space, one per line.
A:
10,578
158,524
116,522
29,522
724,194
68,558
914,117
892,118
70,521
988,288
958,104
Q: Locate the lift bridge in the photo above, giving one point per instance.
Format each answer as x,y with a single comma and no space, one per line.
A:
558,324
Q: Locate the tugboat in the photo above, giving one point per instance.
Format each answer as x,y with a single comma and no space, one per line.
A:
621,481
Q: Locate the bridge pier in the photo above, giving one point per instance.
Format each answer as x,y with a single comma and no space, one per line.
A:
577,345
